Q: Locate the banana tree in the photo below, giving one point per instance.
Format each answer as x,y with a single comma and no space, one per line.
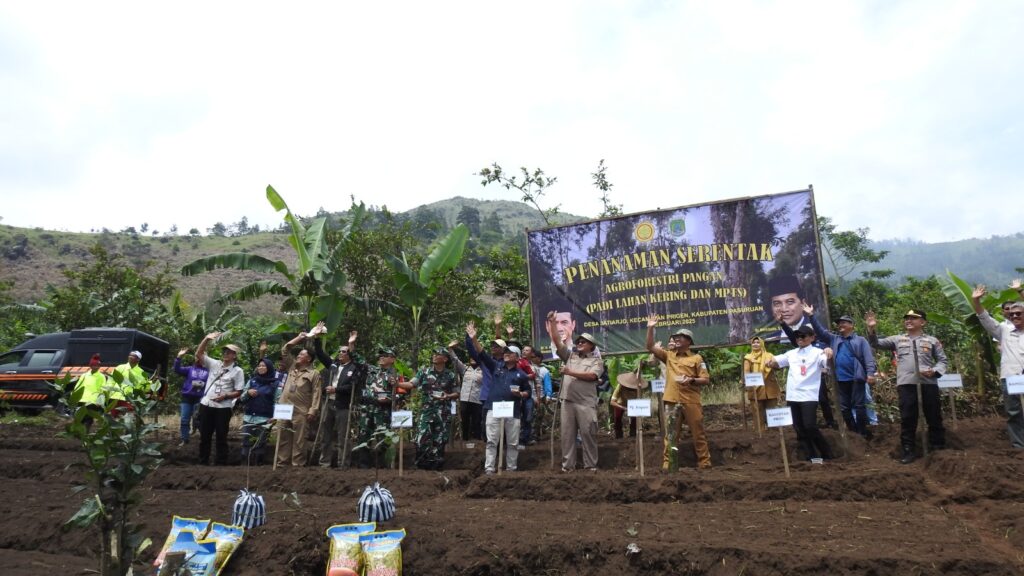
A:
416,287
958,293
315,289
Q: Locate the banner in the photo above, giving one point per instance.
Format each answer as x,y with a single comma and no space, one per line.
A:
724,271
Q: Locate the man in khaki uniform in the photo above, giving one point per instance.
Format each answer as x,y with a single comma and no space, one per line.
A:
578,394
302,390
685,373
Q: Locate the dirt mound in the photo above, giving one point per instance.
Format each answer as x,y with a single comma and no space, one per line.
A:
958,511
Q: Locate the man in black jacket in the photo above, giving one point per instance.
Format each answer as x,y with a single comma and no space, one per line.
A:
342,376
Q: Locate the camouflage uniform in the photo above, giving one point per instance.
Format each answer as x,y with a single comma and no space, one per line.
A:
432,428
380,384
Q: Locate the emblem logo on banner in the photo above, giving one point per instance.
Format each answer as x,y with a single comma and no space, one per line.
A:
644,232
677,227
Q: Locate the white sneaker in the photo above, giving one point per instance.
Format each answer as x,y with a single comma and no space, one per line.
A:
817,460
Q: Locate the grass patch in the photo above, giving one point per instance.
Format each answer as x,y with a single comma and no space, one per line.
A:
12,417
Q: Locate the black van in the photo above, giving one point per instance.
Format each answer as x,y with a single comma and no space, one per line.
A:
27,371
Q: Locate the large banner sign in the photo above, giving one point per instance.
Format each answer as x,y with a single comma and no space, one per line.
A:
724,271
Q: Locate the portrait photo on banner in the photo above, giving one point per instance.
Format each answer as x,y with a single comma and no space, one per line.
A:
724,270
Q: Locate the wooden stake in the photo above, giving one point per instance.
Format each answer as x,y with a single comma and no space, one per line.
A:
640,443
952,406
501,443
757,414
785,456
555,420
401,450
743,403
277,445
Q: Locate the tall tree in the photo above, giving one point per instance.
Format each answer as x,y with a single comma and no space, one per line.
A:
470,216
848,250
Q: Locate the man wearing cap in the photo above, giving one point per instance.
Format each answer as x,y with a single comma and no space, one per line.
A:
855,369
929,365
134,379
223,386
508,383
303,392
191,391
1010,335
497,349
629,386
581,371
436,384
806,365
685,374
342,377
90,385
375,409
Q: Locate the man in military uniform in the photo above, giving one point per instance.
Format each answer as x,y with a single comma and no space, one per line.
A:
303,392
437,389
375,409
685,373
919,358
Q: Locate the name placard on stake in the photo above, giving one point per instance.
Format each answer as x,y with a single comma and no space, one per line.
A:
658,386
504,409
777,417
1015,384
951,381
401,419
454,406
638,408
283,411
753,379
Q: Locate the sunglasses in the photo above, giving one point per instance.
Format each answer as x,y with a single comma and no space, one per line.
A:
1014,314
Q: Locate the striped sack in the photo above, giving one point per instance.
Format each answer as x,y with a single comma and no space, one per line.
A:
376,504
249,511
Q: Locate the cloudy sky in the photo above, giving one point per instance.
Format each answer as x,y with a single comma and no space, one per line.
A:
905,116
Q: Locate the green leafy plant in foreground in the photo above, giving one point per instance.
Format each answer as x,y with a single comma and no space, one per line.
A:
119,456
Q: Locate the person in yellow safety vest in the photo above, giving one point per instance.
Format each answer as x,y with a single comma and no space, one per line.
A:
135,381
91,383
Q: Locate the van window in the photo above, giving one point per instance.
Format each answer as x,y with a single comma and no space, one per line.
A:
12,360
45,358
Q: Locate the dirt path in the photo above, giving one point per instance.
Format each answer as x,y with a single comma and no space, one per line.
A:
960,511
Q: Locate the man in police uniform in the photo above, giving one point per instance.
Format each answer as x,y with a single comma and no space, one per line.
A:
930,364
437,389
375,408
685,373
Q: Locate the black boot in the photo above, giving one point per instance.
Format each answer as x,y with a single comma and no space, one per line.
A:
908,455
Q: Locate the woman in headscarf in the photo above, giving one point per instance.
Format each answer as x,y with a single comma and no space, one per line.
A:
259,408
767,396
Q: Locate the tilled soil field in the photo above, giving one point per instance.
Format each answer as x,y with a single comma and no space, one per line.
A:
958,511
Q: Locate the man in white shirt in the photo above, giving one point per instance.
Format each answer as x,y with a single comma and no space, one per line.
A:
806,365
1010,335
223,386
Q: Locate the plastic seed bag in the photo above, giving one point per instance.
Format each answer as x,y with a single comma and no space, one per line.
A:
346,556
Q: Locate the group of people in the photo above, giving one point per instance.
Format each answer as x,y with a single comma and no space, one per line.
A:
349,389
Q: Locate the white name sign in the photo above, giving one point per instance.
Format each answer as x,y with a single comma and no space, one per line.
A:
283,411
1015,384
503,409
753,379
951,381
658,386
454,406
401,419
639,408
779,417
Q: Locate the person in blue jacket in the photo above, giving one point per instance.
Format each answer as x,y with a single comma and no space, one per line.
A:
854,369
191,393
